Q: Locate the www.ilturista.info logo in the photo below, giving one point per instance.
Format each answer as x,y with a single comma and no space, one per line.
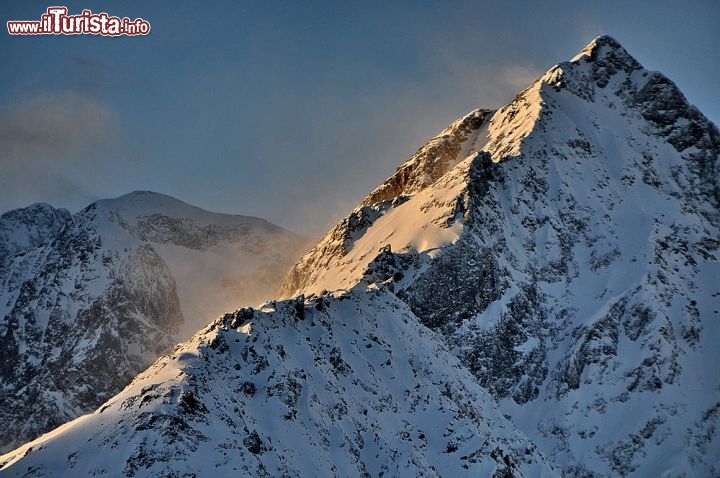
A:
57,22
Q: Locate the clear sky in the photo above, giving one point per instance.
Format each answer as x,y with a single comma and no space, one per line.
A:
294,110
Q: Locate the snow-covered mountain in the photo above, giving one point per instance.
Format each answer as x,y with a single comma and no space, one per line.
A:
567,247
562,253
88,301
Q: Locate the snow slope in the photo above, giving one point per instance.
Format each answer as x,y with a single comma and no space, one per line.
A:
296,388
88,301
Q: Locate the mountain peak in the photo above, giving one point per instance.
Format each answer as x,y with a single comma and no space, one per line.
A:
606,48
142,197
603,61
138,205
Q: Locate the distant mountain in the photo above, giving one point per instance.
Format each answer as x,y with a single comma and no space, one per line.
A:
90,300
533,293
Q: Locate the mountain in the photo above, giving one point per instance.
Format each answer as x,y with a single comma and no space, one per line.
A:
566,246
534,292
89,300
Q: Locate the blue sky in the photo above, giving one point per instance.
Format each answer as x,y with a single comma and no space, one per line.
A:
293,110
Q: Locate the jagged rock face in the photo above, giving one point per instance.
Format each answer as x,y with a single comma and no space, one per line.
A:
297,388
424,168
33,226
89,301
431,161
575,274
79,322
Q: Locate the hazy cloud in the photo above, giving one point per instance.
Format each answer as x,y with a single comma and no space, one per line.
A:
89,74
356,140
518,77
97,66
60,123
46,140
